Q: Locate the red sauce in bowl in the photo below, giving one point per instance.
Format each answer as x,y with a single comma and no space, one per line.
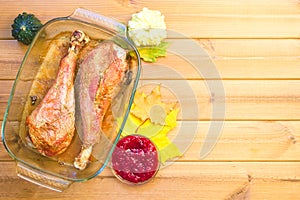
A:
135,159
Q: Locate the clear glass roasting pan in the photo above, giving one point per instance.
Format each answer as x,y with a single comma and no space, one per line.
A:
58,173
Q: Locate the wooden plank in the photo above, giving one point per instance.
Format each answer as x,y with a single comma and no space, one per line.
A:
195,180
234,26
245,7
240,100
237,141
162,187
4,90
233,59
175,67
229,68
227,59
244,100
188,169
228,26
269,189
216,19
252,48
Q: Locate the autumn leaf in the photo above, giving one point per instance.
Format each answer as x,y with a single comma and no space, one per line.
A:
139,122
158,134
151,107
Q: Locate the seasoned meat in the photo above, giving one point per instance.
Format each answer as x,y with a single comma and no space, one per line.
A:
98,81
52,124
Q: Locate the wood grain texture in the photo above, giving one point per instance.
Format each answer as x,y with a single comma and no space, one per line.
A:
215,19
233,59
196,180
238,141
180,180
240,99
251,47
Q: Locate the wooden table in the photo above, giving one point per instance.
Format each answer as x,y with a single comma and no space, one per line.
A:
255,47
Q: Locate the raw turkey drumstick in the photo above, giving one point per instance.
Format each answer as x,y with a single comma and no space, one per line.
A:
52,124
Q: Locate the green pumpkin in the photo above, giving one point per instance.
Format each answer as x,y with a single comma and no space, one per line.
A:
25,27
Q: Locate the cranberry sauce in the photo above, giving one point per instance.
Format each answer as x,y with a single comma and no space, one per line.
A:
135,159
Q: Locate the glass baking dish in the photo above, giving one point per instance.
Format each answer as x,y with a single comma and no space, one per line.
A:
58,173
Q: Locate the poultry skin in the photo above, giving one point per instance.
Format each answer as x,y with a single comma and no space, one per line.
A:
52,124
98,81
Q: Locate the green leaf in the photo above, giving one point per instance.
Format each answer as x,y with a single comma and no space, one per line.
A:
151,53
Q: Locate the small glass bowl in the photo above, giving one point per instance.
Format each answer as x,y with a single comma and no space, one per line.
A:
135,160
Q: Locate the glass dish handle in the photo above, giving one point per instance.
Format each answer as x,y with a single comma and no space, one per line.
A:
97,19
40,178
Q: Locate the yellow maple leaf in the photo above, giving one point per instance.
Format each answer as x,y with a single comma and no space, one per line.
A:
138,122
157,134
151,107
